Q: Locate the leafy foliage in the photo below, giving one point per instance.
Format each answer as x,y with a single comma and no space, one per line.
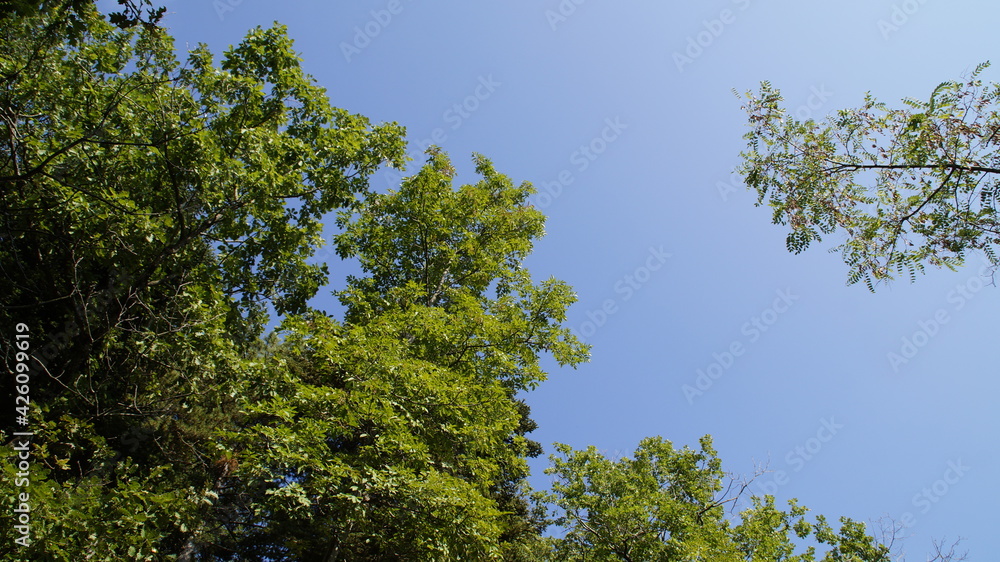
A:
669,504
77,12
151,211
154,212
398,431
906,186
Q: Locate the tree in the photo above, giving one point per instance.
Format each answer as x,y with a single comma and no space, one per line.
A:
72,15
151,212
669,504
906,186
397,433
76,12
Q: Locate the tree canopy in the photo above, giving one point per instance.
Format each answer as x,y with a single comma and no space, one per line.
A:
160,226
905,186
669,504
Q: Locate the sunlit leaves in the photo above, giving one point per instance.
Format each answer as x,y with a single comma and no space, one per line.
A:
401,424
152,211
905,186
670,504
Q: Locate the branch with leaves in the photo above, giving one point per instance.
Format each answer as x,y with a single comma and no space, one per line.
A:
905,186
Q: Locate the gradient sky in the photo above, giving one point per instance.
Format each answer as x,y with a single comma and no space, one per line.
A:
622,114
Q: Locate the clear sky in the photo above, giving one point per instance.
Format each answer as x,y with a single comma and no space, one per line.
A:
622,114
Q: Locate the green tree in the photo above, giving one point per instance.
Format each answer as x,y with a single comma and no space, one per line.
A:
76,12
398,434
151,212
669,504
905,186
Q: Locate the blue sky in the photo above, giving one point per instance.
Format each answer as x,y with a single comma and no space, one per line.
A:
622,115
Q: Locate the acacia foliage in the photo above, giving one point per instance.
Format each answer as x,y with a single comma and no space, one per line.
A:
905,186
